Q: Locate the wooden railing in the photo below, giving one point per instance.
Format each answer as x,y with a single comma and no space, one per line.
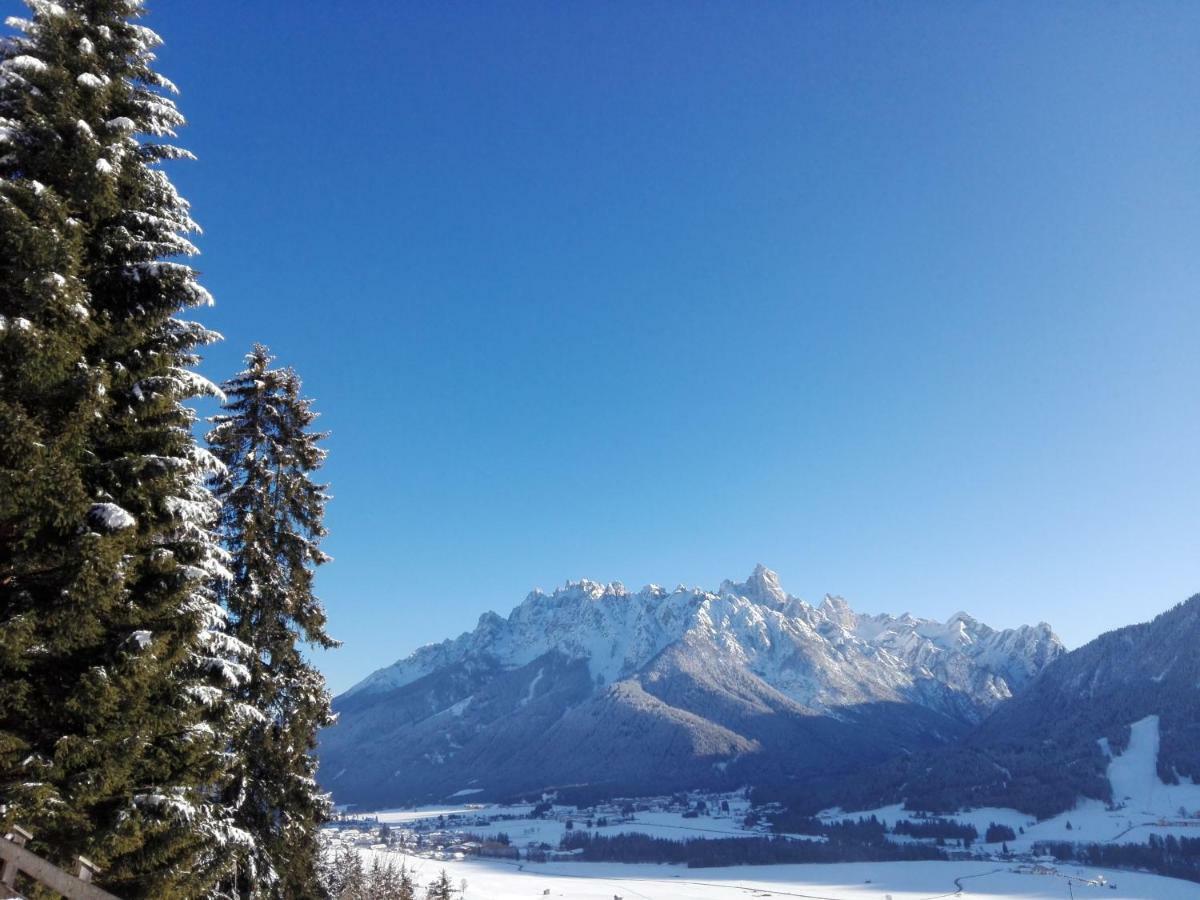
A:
15,858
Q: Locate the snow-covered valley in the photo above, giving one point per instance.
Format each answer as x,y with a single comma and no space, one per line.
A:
460,838
493,880
518,879
1089,761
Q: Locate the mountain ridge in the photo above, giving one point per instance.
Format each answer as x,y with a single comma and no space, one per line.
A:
745,682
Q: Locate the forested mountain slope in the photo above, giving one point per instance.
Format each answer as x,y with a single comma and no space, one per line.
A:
1052,743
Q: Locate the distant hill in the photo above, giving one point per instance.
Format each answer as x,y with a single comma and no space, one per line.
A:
603,690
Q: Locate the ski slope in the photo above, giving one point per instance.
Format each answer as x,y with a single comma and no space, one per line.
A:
1144,805
1135,782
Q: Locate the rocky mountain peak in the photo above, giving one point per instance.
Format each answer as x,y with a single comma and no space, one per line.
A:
762,587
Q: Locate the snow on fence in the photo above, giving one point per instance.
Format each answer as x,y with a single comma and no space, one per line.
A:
15,858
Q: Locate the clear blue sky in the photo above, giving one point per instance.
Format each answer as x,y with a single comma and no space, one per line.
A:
899,299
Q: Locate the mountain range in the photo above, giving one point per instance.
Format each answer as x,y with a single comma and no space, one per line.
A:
596,689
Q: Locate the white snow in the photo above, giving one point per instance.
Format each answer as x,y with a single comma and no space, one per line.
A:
111,516
1144,805
497,880
460,707
525,831
1135,782
26,64
533,687
400,816
48,8
174,804
88,80
853,658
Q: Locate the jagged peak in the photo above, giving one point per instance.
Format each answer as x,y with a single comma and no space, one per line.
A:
490,619
584,587
762,586
834,601
617,631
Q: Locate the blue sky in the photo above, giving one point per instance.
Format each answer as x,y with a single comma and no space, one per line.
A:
898,299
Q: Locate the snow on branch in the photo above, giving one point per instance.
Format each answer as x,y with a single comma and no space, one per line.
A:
110,517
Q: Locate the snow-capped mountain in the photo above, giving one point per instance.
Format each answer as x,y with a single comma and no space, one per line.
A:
597,685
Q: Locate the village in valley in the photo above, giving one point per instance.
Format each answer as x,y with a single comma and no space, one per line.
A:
526,836
535,831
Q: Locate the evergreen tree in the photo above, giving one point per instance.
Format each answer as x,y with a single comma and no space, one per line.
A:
405,889
348,880
441,888
271,524
111,661
384,883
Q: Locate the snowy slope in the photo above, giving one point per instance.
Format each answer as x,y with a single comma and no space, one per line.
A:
1136,785
594,685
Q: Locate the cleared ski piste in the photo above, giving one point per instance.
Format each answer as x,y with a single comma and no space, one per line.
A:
1146,805
495,880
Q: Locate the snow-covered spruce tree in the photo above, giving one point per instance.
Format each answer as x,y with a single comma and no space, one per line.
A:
441,888
405,889
111,655
345,878
271,523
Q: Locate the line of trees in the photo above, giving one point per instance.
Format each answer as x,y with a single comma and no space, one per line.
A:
941,829
705,853
347,878
156,714
1175,857
999,833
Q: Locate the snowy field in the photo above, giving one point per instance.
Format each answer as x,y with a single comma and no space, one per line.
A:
1146,806
493,880
524,831
1149,805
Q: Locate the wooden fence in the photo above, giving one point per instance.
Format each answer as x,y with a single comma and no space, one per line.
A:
15,858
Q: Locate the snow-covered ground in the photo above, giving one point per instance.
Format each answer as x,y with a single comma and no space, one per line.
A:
524,831
424,813
1135,782
1146,805
494,880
